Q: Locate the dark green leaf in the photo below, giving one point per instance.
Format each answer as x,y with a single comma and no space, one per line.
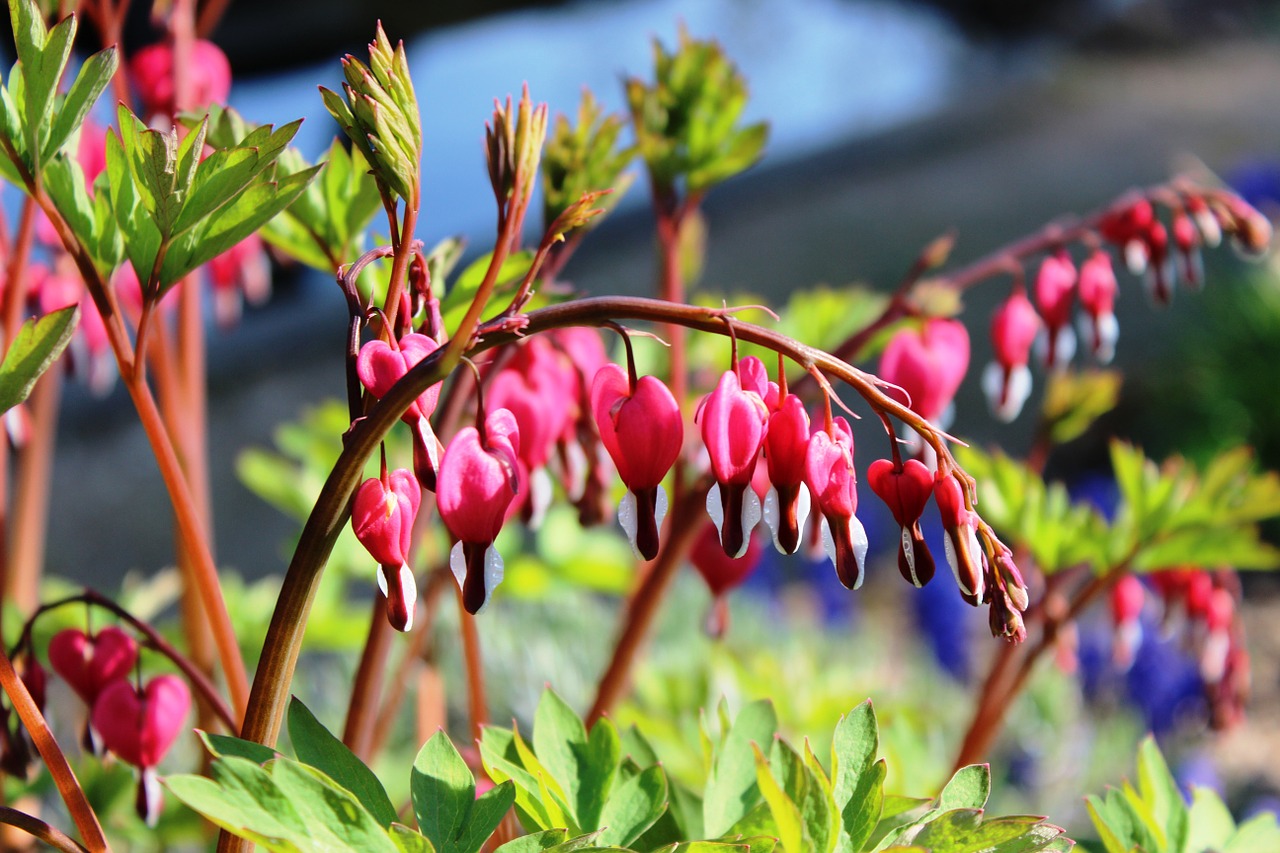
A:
224,745
35,348
315,745
539,841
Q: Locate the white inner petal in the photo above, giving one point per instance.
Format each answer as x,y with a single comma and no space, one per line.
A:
773,515
715,510
828,543
409,593
750,518
909,551
627,519
493,573
457,563
539,497
660,508
858,536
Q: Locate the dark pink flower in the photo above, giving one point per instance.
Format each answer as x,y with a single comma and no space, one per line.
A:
928,363
642,429
1097,299
834,486
1126,601
733,426
382,516
787,503
242,272
380,366
90,662
1055,291
139,726
478,481
906,490
152,71
721,572
964,554
1007,380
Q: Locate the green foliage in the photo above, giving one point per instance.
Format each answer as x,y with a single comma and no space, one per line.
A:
584,158
176,211
36,121
1074,399
445,803
379,114
1154,818
1168,516
35,348
687,121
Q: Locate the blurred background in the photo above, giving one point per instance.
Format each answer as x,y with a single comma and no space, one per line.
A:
891,123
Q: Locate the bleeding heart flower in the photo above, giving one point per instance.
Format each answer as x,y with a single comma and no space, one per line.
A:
380,366
906,490
1187,238
928,363
733,424
90,663
787,502
721,572
1126,599
964,554
641,428
834,486
1159,278
1007,380
140,726
478,481
1055,291
1097,299
152,71
241,272
382,516
1127,229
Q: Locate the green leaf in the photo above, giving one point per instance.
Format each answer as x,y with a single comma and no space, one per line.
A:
548,839
968,788
560,742
445,802
456,302
35,348
857,778
224,745
1210,825
965,831
315,745
409,841
94,77
334,817
786,814
1160,790
732,789
634,807
243,799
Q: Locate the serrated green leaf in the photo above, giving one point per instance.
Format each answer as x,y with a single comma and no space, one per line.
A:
316,746
35,348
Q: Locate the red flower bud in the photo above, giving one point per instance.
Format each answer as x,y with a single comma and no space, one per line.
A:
1097,298
1055,290
382,516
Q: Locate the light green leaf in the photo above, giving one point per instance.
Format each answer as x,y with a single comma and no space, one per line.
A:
968,788
35,348
94,77
635,806
732,789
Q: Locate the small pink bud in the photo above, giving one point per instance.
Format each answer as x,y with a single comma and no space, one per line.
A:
1007,380
830,476
90,663
382,516
478,481
928,363
380,366
642,429
906,491
733,426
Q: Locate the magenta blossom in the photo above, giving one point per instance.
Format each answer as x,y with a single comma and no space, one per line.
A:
382,516
928,363
721,572
787,502
1097,300
1007,380
152,71
380,366
478,481
906,489
733,424
964,554
1055,291
830,477
641,428
139,726
89,662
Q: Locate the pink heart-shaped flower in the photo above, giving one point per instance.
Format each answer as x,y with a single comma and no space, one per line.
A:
90,663
380,367
928,363
139,727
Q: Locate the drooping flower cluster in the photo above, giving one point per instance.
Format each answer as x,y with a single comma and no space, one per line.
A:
136,722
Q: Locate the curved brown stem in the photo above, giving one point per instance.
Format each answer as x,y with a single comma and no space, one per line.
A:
52,755
36,828
477,703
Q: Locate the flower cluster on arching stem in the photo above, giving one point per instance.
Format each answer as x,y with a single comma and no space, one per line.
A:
136,722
